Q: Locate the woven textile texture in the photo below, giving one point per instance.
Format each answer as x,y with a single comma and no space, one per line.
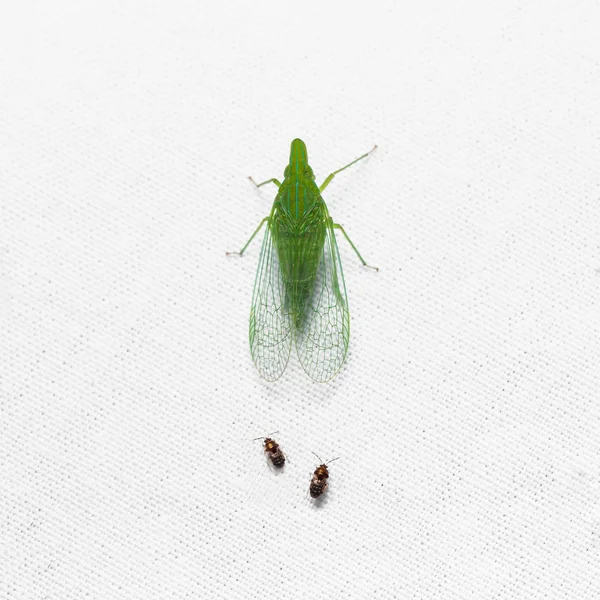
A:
467,415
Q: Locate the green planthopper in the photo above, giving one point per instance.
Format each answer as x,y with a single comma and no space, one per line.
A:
299,292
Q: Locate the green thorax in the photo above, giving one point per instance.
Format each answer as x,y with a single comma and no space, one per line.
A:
298,227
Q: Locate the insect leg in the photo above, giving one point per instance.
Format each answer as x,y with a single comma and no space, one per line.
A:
277,183
330,177
251,238
362,260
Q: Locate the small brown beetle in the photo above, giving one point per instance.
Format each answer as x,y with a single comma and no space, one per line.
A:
318,485
272,450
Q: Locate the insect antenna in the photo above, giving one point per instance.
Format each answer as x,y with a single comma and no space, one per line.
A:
329,461
264,438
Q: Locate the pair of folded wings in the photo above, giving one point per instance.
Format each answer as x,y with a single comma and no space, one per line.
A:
322,339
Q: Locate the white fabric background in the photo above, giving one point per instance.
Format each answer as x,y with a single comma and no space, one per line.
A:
467,415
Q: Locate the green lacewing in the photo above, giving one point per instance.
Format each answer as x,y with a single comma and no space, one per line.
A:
299,291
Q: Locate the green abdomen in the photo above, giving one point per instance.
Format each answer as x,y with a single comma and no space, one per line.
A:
300,254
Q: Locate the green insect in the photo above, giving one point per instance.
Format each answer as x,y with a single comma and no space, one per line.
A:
299,291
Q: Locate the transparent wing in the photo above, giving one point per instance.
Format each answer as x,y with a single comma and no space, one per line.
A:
322,342
270,319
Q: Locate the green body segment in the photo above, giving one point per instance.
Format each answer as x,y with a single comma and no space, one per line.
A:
298,229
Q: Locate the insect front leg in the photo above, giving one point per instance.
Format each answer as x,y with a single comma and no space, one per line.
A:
275,181
332,175
362,260
251,238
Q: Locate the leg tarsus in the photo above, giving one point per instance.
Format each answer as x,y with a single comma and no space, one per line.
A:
241,252
362,260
